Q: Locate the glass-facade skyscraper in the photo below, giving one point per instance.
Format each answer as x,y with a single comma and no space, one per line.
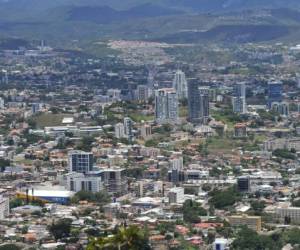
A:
275,91
198,102
80,161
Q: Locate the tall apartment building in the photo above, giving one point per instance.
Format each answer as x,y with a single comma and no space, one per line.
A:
146,131
198,102
119,130
166,106
4,205
80,161
143,93
239,105
2,103
239,98
180,84
128,128
114,180
239,89
176,195
275,92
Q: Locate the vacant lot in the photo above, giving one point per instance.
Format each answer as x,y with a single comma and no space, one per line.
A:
48,119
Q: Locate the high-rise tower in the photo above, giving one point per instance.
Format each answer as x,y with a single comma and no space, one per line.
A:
180,84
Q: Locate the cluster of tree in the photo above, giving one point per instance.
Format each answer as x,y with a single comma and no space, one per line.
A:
61,228
136,172
249,239
284,153
86,143
163,129
202,149
224,198
10,247
192,211
165,227
268,115
227,115
258,207
99,197
3,164
17,202
130,238
296,203
151,143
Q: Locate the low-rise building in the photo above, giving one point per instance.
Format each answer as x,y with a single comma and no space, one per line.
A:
293,213
252,222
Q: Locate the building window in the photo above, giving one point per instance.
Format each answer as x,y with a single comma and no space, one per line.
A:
112,175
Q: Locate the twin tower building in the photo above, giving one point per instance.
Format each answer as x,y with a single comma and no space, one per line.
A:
167,101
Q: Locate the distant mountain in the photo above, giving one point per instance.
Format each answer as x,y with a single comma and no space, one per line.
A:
231,33
34,6
63,21
13,43
232,5
105,14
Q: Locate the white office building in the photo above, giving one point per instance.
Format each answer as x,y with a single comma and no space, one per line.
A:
79,182
4,206
166,106
176,195
177,163
180,84
2,103
291,212
119,131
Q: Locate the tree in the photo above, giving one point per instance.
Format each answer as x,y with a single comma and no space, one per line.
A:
151,143
202,149
99,197
192,211
258,207
15,203
3,164
131,238
249,239
224,198
284,153
165,227
206,187
292,236
61,228
296,203
10,247
86,143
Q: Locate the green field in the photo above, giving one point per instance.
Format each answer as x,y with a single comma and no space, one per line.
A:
47,119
